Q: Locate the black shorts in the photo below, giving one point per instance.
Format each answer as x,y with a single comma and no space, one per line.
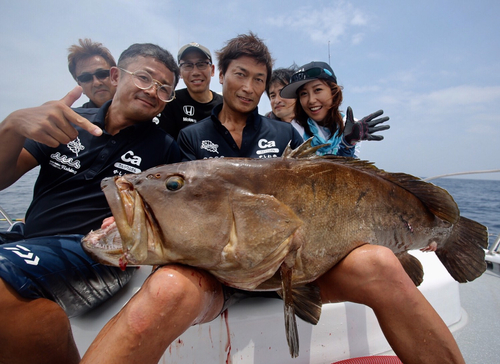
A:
57,268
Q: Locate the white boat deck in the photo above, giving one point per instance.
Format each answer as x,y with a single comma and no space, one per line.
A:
253,330
480,301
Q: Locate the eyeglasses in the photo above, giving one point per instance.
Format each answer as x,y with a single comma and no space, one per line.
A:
144,81
188,66
87,77
310,73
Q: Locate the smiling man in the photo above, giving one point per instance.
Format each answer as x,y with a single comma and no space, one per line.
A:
282,109
196,101
235,128
75,149
89,63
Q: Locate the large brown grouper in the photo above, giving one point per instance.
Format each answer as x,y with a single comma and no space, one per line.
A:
278,224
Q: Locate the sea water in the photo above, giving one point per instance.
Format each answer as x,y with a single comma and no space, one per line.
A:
478,200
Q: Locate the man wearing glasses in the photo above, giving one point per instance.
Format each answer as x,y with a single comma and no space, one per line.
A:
47,277
195,102
89,64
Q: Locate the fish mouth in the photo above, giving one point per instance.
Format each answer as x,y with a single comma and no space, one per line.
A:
134,233
104,245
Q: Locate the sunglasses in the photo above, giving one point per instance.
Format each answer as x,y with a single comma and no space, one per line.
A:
310,73
87,77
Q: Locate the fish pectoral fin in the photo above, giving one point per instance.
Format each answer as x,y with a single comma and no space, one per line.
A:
261,238
412,267
261,224
292,335
307,302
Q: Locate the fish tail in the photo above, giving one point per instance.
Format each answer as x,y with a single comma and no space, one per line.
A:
463,253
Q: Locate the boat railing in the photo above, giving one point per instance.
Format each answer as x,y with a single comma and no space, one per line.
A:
494,247
6,217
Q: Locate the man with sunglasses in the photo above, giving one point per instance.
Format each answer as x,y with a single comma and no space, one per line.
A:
89,64
47,277
195,102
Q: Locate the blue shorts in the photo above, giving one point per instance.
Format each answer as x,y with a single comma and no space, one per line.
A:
57,268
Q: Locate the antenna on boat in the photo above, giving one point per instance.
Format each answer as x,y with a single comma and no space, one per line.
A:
460,173
329,53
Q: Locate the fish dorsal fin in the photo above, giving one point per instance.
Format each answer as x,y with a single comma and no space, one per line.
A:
305,150
435,198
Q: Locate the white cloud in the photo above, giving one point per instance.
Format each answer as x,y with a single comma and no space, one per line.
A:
332,23
463,95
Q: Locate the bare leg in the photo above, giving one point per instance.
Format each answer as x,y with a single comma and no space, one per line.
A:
372,275
170,301
34,331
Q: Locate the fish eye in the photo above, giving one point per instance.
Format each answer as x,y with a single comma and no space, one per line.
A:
174,183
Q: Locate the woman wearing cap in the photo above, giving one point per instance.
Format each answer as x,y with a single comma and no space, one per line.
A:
318,97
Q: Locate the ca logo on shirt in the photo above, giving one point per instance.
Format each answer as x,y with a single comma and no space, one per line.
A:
267,148
129,158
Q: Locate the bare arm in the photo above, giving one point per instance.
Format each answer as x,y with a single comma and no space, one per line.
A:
50,124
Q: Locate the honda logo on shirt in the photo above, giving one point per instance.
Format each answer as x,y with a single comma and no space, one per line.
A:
188,110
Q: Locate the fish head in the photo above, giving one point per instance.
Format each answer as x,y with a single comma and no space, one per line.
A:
207,213
166,213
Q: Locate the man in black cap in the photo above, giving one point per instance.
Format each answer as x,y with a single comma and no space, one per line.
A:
196,101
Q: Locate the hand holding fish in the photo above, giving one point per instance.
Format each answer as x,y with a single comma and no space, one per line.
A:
363,129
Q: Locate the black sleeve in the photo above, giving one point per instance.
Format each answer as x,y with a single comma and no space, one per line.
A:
173,151
186,147
36,150
168,122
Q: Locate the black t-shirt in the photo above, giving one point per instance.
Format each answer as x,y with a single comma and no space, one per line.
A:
262,138
184,111
67,197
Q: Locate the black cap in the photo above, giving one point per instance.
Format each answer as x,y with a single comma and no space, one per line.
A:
307,73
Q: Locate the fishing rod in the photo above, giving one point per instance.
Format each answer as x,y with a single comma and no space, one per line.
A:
460,173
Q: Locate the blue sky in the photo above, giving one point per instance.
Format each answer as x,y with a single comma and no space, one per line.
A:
432,66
